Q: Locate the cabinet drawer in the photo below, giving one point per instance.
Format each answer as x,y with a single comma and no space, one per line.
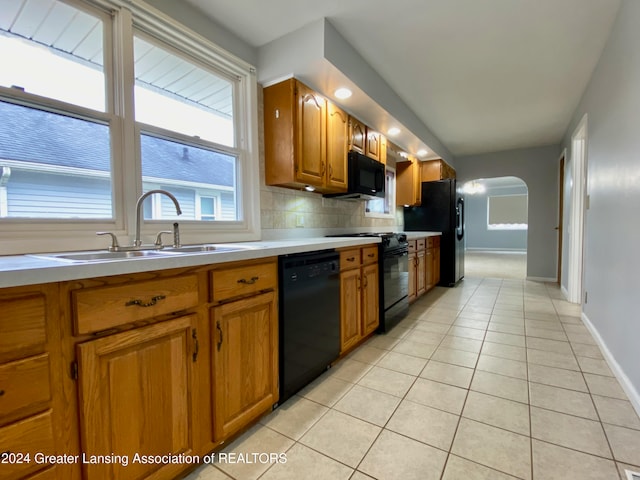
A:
349,258
24,384
412,246
107,307
369,255
244,280
421,243
430,242
30,436
22,327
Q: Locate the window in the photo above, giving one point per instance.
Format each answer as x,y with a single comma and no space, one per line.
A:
507,212
56,162
77,149
384,207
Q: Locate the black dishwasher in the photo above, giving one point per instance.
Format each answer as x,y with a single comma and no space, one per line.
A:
309,317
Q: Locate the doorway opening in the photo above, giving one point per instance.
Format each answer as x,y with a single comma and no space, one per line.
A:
496,226
578,205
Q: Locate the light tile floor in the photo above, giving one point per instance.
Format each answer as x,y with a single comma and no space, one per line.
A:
493,379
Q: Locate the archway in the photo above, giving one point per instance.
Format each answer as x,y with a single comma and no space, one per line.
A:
496,224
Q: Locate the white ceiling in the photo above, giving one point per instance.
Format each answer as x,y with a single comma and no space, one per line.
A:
482,75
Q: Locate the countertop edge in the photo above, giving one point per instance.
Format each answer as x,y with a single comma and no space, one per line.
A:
416,235
23,270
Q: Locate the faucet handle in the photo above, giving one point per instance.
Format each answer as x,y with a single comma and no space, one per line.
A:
114,241
159,237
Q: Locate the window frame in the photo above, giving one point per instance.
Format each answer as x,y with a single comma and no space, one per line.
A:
121,20
391,198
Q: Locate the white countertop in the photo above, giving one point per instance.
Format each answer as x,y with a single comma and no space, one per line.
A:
416,235
18,270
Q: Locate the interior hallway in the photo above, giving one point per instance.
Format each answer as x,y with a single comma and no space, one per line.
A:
494,379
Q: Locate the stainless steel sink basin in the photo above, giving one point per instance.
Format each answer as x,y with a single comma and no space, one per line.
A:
103,256
204,248
100,256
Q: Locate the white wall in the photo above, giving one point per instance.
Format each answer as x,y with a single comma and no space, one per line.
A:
538,168
612,230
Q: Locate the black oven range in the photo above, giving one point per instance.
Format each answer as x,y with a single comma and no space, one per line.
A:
394,276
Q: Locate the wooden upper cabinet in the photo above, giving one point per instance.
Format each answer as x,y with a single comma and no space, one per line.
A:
432,170
383,149
408,183
135,397
374,145
337,148
306,139
357,135
311,137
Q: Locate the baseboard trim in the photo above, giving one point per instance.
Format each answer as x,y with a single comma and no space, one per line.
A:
541,279
627,386
565,292
495,250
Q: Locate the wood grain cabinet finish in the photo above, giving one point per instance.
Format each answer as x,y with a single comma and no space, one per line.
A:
359,295
245,361
431,170
408,183
357,135
306,139
103,308
135,397
25,387
22,326
424,266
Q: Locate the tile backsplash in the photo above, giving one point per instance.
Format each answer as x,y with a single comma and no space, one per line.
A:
288,212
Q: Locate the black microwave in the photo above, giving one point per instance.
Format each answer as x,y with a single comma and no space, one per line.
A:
365,178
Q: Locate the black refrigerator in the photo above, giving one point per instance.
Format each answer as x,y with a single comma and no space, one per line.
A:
442,210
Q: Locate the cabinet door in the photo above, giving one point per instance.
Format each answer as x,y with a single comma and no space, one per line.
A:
337,148
436,265
370,299
428,266
373,145
135,397
421,273
311,137
408,183
357,135
245,361
350,308
383,149
413,276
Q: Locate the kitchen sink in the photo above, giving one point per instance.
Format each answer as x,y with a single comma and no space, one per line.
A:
100,256
205,248
103,255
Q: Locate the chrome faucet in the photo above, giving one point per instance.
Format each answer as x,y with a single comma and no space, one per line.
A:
137,242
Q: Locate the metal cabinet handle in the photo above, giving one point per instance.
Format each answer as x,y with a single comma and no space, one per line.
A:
351,259
371,255
248,282
1,393
196,344
220,332
142,303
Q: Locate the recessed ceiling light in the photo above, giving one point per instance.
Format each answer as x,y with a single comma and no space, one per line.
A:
393,131
422,153
342,93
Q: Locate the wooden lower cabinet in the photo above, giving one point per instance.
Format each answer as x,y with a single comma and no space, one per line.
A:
370,299
245,361
424,266
135,398
359,295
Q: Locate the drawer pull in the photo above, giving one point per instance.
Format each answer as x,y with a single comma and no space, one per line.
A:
248,282
351,259
1,393
196,345
371,255
220,332
142,303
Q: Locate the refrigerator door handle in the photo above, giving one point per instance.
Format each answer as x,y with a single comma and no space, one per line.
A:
460,219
